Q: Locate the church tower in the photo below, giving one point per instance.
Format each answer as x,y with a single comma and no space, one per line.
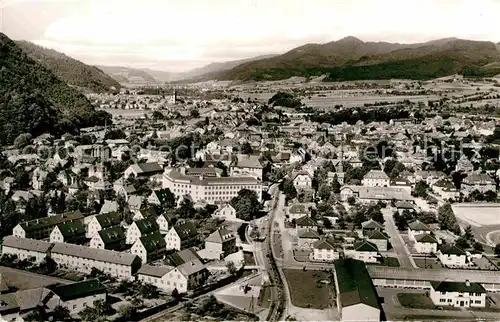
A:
340,167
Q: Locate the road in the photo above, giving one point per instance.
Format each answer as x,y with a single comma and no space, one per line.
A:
404,257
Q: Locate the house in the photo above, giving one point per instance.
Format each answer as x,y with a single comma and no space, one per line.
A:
77,296
112,238
451,255
25,248
225,211
379,239
17,304
149,247
186,273
103,221
370,225
160,197
72,232
163,222
417,228
306,222
143,170
464,165
363,250
42,227
425,244
219,244
297,211
446,189
302,180
120,265
457,294
181,236
246,165
307,237
477,181
401,206
324,251
357,299
376,178
141,228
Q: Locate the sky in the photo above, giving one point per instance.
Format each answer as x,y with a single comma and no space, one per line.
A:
178,35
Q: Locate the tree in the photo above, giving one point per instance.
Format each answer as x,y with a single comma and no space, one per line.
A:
22,140
462,242
186,209
176,295
289,189
336,184
128,312
246,204
351,200
324,192
421,189
327,223
231,268
447,220
61,313
246,148
478,247
497,250
490,196
468,235
157,115
149,291
194,113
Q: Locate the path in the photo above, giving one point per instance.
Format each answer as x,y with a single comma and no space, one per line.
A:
404,257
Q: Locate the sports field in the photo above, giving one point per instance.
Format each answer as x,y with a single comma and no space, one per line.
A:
478,215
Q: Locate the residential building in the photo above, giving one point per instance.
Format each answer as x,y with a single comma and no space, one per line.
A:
477,181
143,170
307,237
306,222
77,296
379,239
80,258
297,211
42,227
324,251
370,226
357,299
181,236
426,244
364,251
246,165
141,228
457,294
160,197
376,178
375,194
225,211
103,221
25,248
209,189
451,255
302,180
219,244
418,228
149,247
112,238
72,232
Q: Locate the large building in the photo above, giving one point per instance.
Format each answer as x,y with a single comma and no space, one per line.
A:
212,189
458,294
42,227
357,298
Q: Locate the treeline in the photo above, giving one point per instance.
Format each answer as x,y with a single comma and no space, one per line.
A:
351,116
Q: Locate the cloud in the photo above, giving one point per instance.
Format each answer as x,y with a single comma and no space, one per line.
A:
202,31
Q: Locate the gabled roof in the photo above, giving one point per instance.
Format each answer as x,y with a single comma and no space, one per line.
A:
162,194
26,244
365,246
153,242
112,235
147,225
247,161
324,244
377,234
156,271
220,236
309,233
50,221
354,283
186,230
452,249
306,221
79,289
371,224
109,219
183,256
376,174
418,225
102,255
298,208
146,168
461,287
426,238
71,229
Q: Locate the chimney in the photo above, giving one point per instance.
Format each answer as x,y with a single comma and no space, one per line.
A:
467,283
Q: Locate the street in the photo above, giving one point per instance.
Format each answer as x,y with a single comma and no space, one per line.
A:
405,260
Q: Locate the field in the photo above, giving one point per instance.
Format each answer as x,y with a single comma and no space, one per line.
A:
415,301
478,215
306,288
355,101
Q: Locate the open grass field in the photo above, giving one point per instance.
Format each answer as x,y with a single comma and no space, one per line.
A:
478,215
307,291
415,301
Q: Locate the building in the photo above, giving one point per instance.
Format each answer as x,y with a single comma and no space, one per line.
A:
246,165
143,170
149,247
209,189
481,182
297,211
25,248
418,228
120,265
370,226
451,255
160,197
225,211
376,178
77,296
357,299
426,244
103,221
379,239
307,237
324,251
42,227
306,222
375,194
72,232
219,244
141,228
181,236
457,294
302,180
112,238
364,251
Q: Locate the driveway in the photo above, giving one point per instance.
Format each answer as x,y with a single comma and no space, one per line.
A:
396,240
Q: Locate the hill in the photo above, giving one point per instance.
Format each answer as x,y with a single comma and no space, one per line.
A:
352,59
128,75
70,70
34,100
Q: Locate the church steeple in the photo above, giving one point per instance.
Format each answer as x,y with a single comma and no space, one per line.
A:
340,167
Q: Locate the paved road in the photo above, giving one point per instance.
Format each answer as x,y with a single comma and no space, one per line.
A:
405,260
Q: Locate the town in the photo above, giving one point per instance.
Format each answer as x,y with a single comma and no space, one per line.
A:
284,200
